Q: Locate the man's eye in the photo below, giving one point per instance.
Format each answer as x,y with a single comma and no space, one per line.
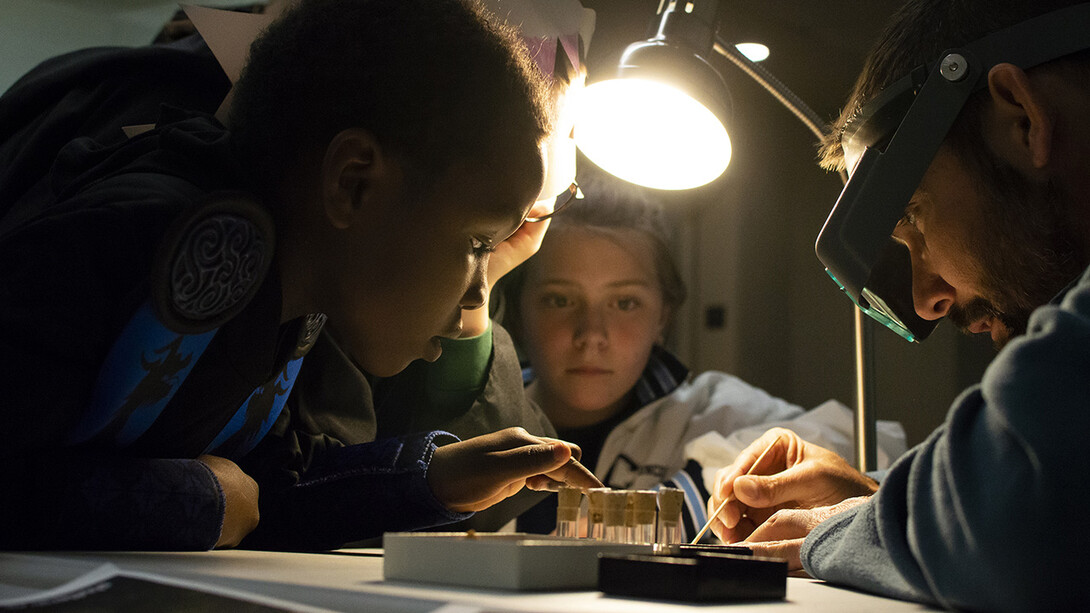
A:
910,219
628,304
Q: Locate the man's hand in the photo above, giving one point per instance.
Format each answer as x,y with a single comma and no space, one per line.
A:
794,475
479,472
510,253
240,514
782,535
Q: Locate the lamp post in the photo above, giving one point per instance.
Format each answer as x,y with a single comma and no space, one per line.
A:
660,123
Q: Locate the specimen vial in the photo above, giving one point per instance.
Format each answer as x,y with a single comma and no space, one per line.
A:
596,513
569,500
670,503
613,516
640,515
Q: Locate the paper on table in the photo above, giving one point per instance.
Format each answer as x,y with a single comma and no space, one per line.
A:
106,587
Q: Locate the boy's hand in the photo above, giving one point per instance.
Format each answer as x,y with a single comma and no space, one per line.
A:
513,251
476,473
240,493
795,475
519,246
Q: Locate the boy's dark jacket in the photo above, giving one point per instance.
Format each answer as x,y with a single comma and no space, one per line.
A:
84,212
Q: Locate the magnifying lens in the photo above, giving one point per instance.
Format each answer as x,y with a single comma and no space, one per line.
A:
891,141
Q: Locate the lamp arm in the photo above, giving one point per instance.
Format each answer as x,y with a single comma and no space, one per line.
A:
789,99
865,426
775,87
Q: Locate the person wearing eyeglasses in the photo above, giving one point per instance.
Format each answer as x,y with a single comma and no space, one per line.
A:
968,145
161,292
590,313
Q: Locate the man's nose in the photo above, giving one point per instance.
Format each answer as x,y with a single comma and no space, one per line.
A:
932,296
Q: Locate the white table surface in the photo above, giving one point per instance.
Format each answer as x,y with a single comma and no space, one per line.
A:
351,580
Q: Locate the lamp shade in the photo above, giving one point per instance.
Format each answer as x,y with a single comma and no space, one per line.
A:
661,122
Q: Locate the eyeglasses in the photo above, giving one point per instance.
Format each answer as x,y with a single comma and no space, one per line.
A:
562,201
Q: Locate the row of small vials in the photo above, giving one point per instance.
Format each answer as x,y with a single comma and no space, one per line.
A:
622,516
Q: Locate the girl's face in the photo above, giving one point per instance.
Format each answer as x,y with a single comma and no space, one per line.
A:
592,308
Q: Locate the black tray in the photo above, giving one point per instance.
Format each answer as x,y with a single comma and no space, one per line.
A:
696,577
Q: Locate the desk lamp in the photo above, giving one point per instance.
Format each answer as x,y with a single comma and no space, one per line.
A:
661,123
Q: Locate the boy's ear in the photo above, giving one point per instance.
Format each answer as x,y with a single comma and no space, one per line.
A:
352,170
1021,124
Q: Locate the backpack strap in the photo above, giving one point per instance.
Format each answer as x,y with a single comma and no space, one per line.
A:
210,263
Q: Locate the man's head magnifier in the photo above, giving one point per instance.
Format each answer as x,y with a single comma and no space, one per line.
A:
890,143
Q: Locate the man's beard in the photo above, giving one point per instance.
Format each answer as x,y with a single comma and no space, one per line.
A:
1026,248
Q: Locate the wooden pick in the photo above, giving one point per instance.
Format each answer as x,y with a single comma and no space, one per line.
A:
723,504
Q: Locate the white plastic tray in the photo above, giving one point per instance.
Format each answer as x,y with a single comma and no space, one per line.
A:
510,561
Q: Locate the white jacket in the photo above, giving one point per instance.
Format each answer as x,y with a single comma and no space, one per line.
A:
682,438
687,428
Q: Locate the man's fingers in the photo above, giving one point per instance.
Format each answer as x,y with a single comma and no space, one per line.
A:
784,525
771,450
783,550
724,485
759,490
765,456
787,524
797,483
729,514
739,532
805,485
717,528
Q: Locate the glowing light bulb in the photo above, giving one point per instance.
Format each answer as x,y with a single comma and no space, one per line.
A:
651,134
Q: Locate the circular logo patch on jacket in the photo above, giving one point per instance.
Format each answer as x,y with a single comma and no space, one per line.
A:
211,262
